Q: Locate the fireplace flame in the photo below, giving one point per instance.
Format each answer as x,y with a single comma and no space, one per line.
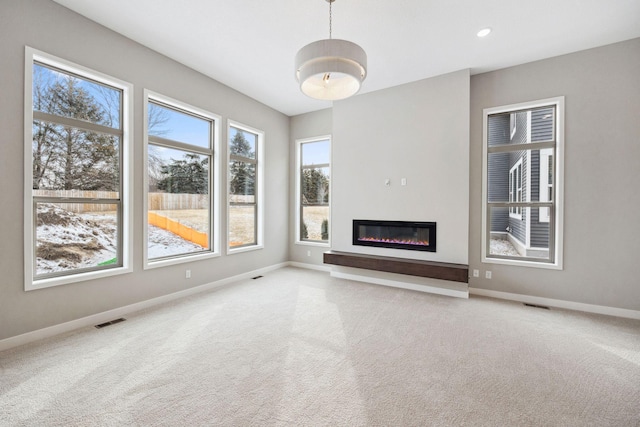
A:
395,241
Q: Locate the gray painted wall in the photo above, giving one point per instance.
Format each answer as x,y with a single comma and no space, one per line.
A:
49,27
600,257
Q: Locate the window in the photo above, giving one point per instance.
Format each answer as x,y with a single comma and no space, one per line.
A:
522,184
245,188
77,150
313,190
515,189
546,181
180,201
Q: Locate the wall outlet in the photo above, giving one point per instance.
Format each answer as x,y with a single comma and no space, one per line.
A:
476,273
487,274
187,274
308,253
403,181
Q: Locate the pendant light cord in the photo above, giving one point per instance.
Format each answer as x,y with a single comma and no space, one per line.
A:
330,18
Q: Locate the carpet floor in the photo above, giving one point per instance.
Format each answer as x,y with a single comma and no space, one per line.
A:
298,347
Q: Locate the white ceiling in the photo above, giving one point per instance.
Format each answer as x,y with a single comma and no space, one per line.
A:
250,45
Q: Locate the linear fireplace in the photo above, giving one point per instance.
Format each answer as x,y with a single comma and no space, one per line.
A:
414,236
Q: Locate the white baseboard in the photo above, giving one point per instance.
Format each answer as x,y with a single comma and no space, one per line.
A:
109,315
324,268
105,316
549,302
421,284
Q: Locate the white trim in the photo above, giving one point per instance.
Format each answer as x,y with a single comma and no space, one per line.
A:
517,166
214,196
324,268
543,214
559,182
527,211
108,315
30,283
569,305
240,249
414,283
484,242
314,243
179,259
297,237
522,263
557,263
259,190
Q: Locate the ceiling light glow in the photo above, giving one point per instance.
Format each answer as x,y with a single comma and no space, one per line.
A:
484,32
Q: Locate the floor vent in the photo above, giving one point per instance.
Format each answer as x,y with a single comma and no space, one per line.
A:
257,277
536,306
113,322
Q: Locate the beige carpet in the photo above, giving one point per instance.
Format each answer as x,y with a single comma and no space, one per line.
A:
298,347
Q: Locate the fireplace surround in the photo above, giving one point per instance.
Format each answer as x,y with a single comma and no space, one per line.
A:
414,236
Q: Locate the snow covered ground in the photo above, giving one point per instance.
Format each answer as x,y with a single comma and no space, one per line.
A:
502,247
164,243
68,241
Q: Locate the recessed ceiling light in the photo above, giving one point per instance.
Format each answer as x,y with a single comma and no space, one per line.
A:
484,32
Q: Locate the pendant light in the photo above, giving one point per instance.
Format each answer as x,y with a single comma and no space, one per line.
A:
331,69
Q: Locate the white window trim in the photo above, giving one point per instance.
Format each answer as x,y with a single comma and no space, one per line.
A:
513,172
298,240
544,183
527,198
30,283
557,263
215,184
260,198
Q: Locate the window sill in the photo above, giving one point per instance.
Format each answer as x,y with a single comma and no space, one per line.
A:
312,243
180,260
231,251
74,278
522,263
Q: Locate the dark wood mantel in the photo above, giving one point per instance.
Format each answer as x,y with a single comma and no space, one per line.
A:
411,267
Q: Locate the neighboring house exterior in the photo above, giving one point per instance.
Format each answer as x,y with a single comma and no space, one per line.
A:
522,176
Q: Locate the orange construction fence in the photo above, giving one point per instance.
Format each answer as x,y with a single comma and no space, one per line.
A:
181,230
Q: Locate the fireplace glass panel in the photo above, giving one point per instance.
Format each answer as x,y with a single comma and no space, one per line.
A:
395,234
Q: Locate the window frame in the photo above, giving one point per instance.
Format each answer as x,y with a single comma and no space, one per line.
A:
299,206
556,206
214,178
515,191
544,182
259,199
125,199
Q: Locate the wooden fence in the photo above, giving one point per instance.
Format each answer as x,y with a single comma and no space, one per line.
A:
81,207
157,201
166,201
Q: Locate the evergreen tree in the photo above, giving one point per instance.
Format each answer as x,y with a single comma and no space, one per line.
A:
65,157
315,186
189,176
242,173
